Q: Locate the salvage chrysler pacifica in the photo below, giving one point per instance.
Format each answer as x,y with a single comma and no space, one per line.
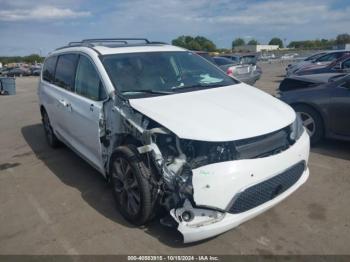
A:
170,131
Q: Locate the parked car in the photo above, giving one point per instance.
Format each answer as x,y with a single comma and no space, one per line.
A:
323,60
36,71
248,74
339,66
245,73
18,71
307,59
324,108
244,59
171,131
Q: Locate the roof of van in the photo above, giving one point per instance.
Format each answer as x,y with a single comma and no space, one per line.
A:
107,46
105,50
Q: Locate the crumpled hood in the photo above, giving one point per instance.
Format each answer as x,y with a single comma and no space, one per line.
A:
218,114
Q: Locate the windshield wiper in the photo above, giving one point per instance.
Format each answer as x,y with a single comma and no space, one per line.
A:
149,91
197,86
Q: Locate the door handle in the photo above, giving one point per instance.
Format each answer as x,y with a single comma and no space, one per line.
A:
65,104
92,107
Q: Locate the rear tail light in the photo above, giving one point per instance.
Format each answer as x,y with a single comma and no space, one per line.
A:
229,71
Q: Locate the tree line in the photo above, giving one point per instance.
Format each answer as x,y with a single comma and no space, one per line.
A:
201,43
30,59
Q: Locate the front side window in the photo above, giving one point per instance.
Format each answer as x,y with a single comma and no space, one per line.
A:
330,57
162,72
313,57
346,64
87,81
49,69
65,71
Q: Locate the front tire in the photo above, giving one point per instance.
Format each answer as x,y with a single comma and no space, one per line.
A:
131,187
51,138
312,122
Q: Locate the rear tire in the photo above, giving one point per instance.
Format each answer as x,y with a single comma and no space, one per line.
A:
51,138
131,187
312,122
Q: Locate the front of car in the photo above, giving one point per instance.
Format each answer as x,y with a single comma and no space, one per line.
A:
224,151
242,158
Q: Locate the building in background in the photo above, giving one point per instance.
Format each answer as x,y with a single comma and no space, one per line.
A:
342,47
255,48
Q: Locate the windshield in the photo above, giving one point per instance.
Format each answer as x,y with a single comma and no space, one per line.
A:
223,61
313,57
248,60
161,73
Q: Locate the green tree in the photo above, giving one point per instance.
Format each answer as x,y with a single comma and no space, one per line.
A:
194,43
342,39
206,44
237,42
253,42
276,41
31,59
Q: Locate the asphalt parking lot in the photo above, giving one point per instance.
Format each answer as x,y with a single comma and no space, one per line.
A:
52,202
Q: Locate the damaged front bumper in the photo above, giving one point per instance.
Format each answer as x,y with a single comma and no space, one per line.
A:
218,186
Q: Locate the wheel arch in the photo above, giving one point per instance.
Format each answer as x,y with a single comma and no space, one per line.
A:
317,110
122,141
42,110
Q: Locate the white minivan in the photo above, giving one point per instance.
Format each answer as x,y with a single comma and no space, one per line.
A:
171,131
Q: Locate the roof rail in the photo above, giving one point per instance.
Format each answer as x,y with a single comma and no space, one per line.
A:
118,42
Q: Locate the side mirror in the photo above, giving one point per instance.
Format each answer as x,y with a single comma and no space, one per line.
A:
338,66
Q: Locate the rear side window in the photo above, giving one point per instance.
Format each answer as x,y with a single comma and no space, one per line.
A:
65,71
87,81
49,69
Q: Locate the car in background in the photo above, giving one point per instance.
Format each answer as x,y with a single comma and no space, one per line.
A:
248,74
35,71
323,107
302,60
244,59
339,66
245,73
19,71
322,60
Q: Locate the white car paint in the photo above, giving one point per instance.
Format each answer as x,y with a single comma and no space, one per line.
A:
216,184
218,114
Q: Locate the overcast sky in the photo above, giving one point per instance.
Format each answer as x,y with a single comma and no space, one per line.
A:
28,26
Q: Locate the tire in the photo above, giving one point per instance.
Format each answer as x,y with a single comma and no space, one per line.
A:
131,188
312,122
51,138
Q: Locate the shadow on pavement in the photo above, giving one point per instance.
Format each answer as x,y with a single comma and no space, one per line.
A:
75,172
333,148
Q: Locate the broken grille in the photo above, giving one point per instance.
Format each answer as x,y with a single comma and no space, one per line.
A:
266,190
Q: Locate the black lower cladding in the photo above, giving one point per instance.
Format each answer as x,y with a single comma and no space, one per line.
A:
266,190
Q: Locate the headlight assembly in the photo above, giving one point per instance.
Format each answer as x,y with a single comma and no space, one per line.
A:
297,128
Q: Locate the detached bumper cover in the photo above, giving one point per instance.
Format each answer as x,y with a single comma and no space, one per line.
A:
217,186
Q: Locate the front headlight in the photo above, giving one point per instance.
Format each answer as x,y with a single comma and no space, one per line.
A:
297,128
